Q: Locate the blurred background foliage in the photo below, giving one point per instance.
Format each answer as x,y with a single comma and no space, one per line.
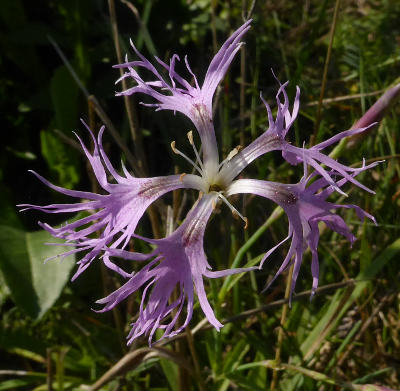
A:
346,337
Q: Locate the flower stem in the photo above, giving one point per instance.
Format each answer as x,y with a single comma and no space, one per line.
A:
281,329
130,109
275,215
195,359
325,74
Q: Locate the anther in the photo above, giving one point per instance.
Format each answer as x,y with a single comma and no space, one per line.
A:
190,137
231,154
234,211
181,176
191,142
178,152
174,150
234,152
245,219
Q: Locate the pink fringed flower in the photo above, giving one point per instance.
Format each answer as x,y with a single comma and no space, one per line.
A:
179,261
305,206
115,214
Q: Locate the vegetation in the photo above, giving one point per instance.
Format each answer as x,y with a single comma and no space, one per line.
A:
56,67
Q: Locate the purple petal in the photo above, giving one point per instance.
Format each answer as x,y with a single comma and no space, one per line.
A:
114,215
180,262
305,208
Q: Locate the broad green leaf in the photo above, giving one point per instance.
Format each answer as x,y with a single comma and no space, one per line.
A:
8,211
34,286
61,159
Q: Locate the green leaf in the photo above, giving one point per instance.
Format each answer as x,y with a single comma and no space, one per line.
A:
63,161
13,384
170,370
34,286
18,341
64,94
343,299
8,211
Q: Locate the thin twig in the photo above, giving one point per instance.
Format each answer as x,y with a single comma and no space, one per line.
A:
133,359
344,97
115,135
325,74
364,327
129,107
142,26
49,369
99,110
213,25
195,359
281,45
69,141
242,99
326,101
204,325
131,113
68,66
281,332
246,16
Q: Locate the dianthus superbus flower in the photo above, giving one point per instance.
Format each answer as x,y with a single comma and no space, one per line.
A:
305,206
178,261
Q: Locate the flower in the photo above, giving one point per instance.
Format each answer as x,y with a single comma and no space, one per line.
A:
274,139
193,101
305,206
115,214
178,260
181,263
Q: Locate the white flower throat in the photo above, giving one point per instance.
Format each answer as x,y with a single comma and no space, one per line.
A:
212,180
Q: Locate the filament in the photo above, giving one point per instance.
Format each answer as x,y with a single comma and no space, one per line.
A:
191,141
234,211
178,152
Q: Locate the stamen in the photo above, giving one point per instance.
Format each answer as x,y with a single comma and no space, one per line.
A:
190,137
234,211
181,177
231,154
178,152
173,147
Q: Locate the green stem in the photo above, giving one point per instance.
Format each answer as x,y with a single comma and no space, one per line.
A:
325,74
276,214
281,333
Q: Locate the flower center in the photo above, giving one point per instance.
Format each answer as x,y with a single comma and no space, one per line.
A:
215,187
212,183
